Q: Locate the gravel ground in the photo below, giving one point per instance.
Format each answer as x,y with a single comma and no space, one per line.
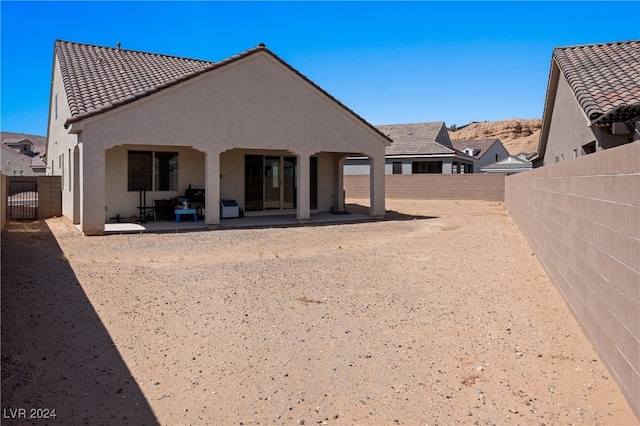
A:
441,315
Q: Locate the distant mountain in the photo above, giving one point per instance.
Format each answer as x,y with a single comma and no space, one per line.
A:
517,135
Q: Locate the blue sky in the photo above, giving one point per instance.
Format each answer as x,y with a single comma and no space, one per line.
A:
390,62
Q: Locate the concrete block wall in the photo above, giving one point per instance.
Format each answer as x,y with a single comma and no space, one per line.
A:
472,186
582,219
49,196
357,186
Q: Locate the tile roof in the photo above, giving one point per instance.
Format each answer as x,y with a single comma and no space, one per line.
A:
482,145
605,79
98,78
416,139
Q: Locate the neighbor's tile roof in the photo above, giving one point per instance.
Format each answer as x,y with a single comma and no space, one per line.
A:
605,79
39,147
98,78
414,139
481,144
39,142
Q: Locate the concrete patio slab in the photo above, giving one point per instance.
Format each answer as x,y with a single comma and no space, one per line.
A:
262,221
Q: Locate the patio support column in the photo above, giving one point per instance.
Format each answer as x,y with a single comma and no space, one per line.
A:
376,187
304,207
447,167
212,189
92,182
341,183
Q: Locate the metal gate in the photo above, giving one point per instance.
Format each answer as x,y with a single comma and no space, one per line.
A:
22,199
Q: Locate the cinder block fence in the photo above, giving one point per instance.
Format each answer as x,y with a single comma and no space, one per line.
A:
471,186
49,196
582,218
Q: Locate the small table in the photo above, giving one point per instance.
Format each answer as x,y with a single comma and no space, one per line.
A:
178,212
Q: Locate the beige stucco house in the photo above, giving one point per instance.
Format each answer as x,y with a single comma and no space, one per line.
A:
249,128
592,102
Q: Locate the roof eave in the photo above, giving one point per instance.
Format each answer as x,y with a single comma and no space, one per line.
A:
621,113
53,71
552,89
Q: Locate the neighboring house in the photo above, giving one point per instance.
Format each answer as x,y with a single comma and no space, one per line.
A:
509,165
416,148
485,151
592,102
249,128
22,154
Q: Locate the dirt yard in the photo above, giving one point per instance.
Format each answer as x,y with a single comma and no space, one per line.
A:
441,315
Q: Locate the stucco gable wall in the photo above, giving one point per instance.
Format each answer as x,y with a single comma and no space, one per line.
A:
13,163
443,137
253,103
568,128
489,157
59,141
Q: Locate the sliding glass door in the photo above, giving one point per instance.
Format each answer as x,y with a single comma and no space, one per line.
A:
289,187
271,182
253,177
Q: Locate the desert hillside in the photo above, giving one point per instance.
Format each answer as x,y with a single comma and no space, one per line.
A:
517,135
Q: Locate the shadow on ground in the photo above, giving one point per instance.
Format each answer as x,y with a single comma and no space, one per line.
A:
389,214
56,353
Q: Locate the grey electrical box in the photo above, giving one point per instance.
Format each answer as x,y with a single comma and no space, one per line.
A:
229,209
